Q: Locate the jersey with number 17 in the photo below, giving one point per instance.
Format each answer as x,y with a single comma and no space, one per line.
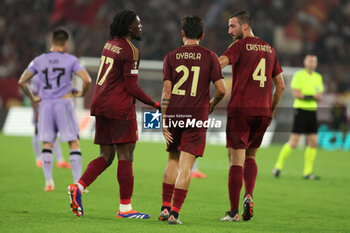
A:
119,61
254,64
55,70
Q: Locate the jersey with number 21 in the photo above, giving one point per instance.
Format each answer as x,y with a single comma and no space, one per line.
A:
191,69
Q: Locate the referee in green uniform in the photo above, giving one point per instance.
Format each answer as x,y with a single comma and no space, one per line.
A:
307,89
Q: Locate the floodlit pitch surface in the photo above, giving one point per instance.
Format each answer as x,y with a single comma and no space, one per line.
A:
287,204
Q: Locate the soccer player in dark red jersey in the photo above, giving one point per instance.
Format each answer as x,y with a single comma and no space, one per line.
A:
113,106
255,69
187,72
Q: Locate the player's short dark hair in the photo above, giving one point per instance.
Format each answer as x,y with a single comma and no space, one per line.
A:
310,54
243,17
121,22
192,26
60,36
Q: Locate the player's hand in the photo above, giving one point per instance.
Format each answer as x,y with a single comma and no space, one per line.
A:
36,99
77,93
167,136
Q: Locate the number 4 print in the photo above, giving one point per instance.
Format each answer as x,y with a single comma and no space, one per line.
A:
261,67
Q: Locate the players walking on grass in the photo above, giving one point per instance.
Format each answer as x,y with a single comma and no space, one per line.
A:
56,112
187,73
113,106
254,68
307,88
35,88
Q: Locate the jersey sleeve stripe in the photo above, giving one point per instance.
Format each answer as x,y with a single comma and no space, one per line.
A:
135,51
232,43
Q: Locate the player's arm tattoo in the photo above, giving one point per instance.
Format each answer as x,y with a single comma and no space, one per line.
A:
165,102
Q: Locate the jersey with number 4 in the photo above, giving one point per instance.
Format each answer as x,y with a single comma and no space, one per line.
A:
254,64
119,61
191,69
54,71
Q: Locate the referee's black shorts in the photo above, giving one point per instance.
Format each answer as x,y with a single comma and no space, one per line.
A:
305,122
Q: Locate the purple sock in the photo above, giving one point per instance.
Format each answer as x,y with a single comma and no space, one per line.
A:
75,162
57,150
46,157
36,146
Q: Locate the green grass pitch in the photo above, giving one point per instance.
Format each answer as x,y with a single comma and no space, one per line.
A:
287,204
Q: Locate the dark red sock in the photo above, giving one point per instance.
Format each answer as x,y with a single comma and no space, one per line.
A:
168,190
126,181
235,180
178,200
93,170
250,173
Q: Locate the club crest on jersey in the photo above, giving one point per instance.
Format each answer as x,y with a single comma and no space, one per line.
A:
135,70
151,120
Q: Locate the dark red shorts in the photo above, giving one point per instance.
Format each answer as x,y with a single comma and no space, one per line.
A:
246,132
191,140
114,131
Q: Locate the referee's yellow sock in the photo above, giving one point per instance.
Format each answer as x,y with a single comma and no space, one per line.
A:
309,159
285,152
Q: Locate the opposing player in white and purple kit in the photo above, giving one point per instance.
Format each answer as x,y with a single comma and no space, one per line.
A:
61,163
56,112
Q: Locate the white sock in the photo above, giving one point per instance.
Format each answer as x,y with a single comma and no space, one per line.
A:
75,162
46,157
49,182
81,188
125,208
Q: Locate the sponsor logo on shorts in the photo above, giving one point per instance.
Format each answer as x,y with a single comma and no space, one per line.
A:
151,120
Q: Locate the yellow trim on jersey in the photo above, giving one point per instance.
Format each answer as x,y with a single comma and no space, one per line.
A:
232,43
135,51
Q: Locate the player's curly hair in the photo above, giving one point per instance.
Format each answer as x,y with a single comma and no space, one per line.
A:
121,22
192,26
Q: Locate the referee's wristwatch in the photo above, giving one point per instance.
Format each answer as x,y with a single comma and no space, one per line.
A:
309,97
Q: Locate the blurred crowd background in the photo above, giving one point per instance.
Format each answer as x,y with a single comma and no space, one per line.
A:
294,28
